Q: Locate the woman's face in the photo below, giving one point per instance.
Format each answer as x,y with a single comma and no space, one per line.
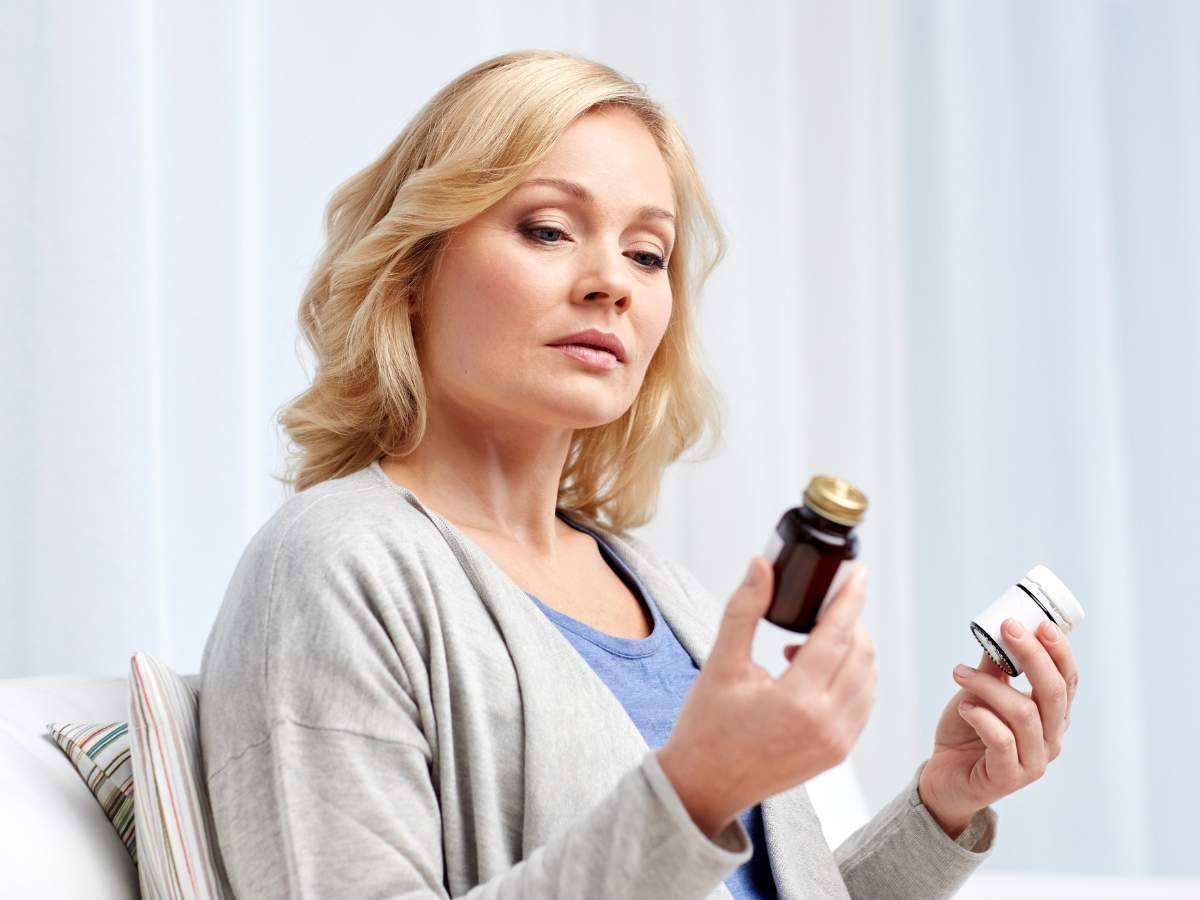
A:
549,261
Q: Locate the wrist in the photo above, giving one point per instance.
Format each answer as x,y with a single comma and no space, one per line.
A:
709,817
952,822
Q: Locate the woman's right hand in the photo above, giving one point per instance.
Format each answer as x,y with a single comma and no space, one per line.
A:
743,735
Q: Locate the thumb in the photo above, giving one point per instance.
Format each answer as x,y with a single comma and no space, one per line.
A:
748,604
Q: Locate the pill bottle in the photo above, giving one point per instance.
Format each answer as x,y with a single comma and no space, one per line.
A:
812,549
1039,595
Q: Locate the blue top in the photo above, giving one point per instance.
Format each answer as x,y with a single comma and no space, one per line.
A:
651,677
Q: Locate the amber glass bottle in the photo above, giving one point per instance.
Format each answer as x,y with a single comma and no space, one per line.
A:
813,550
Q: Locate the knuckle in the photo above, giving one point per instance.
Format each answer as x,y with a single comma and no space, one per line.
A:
1008,743
842,636
827,732
1027,713
1073,682
808,711
828,738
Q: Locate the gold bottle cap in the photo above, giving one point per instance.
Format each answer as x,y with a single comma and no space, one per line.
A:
836,500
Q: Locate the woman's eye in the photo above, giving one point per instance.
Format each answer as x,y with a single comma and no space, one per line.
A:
537,230
548,234
653,260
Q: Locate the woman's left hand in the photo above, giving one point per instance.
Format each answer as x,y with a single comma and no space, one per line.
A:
1005,740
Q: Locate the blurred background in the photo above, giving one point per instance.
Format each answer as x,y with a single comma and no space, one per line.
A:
964,274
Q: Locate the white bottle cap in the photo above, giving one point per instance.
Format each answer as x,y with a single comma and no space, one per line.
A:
1066,610
1039,595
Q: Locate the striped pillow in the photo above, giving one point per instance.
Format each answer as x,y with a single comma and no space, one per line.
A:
100,753
178,854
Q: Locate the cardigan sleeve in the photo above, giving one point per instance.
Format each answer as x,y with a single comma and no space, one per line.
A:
903,853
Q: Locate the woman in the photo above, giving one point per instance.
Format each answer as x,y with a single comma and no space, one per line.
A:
444,667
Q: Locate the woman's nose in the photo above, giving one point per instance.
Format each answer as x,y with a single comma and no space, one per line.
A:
605,281
621,299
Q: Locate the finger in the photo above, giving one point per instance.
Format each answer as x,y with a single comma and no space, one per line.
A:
1017,710
1000,759
846,605
1064,658
855,666
745,608
856,707
832,637
988,665
1049,687
860,634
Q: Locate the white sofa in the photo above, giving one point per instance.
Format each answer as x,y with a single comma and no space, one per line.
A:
54,838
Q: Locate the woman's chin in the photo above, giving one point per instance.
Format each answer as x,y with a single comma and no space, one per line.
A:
578,416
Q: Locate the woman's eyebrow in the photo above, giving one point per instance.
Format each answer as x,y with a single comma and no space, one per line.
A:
579,192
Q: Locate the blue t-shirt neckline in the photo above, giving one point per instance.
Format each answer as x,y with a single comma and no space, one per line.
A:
631,648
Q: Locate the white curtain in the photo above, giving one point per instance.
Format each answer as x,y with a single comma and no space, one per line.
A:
1051,185
963,275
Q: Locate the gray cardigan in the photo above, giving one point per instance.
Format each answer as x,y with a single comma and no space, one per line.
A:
384,713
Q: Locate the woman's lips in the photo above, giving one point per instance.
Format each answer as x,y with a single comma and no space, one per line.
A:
591,356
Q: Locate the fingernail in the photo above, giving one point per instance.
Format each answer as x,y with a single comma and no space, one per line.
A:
862,576
966,706
1014,628
962,671
751,574
1051,632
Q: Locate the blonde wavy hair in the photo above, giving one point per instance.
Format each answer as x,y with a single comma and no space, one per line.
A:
471,144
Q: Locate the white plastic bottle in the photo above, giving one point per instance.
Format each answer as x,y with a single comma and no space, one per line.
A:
1039,595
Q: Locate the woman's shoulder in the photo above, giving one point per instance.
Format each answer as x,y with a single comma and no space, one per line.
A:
328,592
341,518
336,549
